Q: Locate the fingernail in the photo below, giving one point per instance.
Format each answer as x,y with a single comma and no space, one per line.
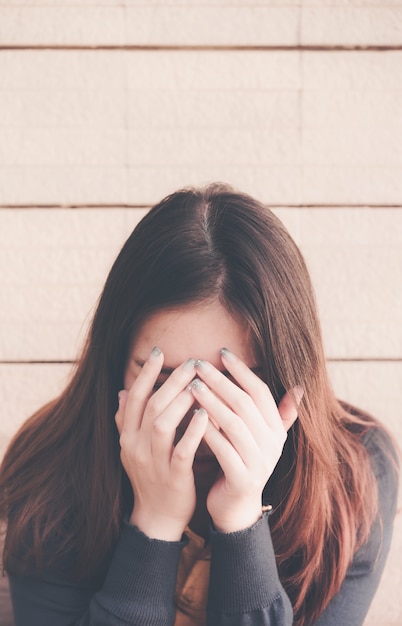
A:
200,413
298,393
120,395
189,365
198,385
229,356
156,352
200,364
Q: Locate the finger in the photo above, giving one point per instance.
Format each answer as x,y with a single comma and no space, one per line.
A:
141,389
184,452
119,417
164,426
169,390
257,410
233,426
228,458
289,405
252,384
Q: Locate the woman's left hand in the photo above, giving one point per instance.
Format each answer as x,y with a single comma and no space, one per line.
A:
246,432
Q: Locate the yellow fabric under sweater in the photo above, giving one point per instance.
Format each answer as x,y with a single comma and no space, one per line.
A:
192,582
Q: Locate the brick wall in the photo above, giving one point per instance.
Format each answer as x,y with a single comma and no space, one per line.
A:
106,107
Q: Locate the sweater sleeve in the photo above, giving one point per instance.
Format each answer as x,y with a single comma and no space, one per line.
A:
245,589
138,589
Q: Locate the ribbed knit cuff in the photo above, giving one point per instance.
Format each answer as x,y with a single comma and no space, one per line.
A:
243,575
140,584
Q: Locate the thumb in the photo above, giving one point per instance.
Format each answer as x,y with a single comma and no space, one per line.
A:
288,406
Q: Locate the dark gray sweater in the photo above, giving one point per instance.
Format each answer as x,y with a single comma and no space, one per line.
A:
244,588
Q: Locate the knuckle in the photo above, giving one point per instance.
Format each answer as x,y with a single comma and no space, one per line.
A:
118,418
180,455
160,427
132,451
141,459
123,440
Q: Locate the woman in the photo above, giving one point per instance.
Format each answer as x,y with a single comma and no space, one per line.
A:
227,485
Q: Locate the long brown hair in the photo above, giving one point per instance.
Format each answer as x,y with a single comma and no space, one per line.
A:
61,481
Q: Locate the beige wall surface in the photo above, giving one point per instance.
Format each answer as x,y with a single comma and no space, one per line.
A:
107,106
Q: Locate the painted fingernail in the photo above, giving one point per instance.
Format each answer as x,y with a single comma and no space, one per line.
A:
229,356
156,352
120,395
200,364
189,365
298,393
200,413
198,385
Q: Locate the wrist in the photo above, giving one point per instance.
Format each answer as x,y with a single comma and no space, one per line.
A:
236,520
157,527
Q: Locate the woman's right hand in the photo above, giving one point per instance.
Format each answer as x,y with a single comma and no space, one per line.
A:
159,471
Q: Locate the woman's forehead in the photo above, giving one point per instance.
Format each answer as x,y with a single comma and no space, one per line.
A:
197,331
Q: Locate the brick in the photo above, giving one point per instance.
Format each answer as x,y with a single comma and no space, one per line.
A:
370,71
344,109
23,390
357,298
62,25
64,303
56,147
205,24
62,69
357,184
72,184
60,108
171,108
350,3
372,386
351,146
351,26
350,228
34,229
71,266
222,70
41,3
44,339
227,147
